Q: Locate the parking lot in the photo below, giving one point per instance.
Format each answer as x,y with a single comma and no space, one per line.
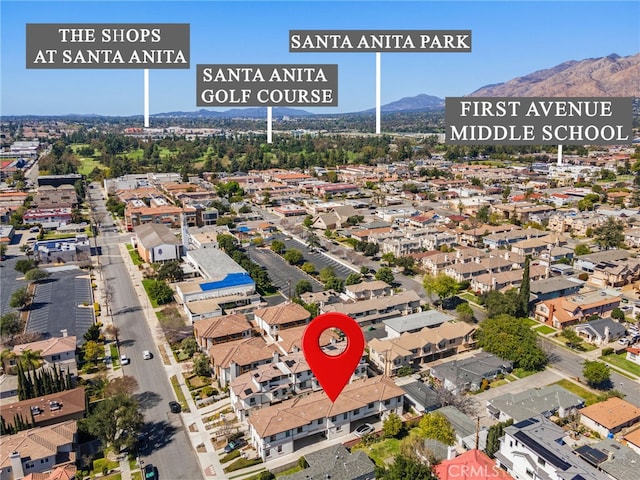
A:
285,277
319,259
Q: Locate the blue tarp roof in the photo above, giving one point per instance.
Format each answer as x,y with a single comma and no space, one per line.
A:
231,280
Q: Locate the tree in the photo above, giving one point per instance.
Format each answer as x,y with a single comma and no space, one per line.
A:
326,273
610,234
334,283
510,338
112,331
496,431
385,274
10,324
353,279
20,298
160,292
406,263
24,265
294,256
303,286
389,258
121,385
30,358
573,339
308,267
226,242
597,374
307,222
35,275
405,468
465,313
116,421
189,346
201,365
313,241
171,271
93,351
392,425
617,314
582,249
525,290
92,334
3,250
442,285
498,303
435,425
278,246
483,214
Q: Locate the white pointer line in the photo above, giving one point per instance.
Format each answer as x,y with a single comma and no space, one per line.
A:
378,90
146,98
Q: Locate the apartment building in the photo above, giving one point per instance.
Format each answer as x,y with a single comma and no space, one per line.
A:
282,429
375,310
565,311
427,345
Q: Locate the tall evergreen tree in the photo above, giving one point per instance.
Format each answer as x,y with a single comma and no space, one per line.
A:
525,289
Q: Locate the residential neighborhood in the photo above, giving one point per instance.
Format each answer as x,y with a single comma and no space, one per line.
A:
499,302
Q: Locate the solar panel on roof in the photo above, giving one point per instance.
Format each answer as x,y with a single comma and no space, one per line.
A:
542,451
525,423
591,455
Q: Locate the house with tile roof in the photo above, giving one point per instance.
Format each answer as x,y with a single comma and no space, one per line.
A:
280,380
375,310
232,359
471,465
427,345
271,320
282,429
565,311
227,328
610,417
48,409
64,472
633,440
51,350
38,450
367,290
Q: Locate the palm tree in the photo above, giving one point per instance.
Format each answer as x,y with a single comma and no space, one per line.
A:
29,357
7,360
313,241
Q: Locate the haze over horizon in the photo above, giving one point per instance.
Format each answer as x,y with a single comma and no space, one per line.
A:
509,40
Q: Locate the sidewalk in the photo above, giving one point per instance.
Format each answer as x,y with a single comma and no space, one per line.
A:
199,436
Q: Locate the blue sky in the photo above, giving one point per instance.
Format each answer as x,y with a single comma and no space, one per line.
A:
510,39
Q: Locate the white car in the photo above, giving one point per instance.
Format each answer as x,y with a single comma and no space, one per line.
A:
146,355
363,430
124,360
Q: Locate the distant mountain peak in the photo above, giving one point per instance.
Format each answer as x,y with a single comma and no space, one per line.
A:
610,76
421,101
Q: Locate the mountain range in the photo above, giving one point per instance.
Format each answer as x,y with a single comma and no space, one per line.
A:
610,76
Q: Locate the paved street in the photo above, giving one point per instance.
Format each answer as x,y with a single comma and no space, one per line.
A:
170,450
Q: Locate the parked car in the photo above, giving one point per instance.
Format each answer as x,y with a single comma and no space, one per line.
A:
364,429
624,341
175,407
146,355
234,445
124,360
149,472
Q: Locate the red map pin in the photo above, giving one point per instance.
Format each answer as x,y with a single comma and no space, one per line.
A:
333,371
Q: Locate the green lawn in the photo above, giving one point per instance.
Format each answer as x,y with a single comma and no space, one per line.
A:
522,373
135,256
381,451
529,322
586,395
470,297
295,469
544,330
115,360
87,165
583,347
622,363
146,283
179,394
